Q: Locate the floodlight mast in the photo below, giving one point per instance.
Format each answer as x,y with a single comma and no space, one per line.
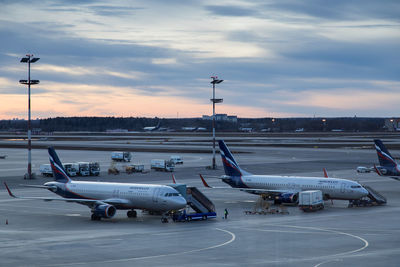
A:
29,59
214,100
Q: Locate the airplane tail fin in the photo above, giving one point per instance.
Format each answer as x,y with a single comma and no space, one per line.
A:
60,175
230,165
385,158
325,173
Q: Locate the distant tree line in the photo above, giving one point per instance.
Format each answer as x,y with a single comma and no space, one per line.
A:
102,124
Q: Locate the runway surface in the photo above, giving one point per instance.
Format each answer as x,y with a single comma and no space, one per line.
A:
42,233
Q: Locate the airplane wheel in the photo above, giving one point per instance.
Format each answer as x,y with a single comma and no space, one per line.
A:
95,217
131,214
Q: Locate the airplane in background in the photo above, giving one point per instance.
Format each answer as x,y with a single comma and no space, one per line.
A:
388,166
152,128
105,198
284,189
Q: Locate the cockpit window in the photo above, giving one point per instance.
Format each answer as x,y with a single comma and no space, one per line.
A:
171,194
356,186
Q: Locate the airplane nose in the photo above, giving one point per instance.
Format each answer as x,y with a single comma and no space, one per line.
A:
365,192
180,202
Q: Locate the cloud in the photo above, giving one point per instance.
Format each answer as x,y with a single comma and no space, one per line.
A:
99,57
230,10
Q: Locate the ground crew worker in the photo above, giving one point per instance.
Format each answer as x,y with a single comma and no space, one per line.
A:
226,213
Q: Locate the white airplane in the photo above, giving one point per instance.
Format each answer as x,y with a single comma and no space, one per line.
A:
105,198
285,189
151,128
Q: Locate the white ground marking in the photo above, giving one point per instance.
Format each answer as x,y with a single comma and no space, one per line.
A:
366,244
233,237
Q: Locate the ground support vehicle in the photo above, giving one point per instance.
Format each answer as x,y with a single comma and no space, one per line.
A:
83,168
362,169
94,168
311,200
196,201
71,169
374,198
45,170
162,165
121,156
134,168
183,216
176,159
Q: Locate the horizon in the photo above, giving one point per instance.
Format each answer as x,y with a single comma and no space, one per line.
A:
278,59
171,118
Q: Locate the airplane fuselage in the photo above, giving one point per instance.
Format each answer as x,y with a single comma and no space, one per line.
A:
132,196
332,188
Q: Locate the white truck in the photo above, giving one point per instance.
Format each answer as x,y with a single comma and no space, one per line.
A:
176,159
84,168
162,165
94,168
121,156
71,169
311,200
45,170
362,169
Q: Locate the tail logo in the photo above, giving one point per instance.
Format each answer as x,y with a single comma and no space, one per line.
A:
58,171
383,155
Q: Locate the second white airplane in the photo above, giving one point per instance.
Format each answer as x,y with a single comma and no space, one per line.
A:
105,198
285,189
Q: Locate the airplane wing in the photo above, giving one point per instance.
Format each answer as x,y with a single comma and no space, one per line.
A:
39,186
88,202
257,191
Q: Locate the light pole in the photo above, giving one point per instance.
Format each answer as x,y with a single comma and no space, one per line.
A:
323,125
391,121
214,100
29,59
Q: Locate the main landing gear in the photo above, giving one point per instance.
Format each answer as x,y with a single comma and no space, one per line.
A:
95,217
131,214
164,218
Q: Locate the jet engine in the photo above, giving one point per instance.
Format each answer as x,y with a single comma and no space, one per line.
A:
105,211
291,198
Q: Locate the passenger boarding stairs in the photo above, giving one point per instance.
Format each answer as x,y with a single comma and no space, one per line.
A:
195,199
375,196
198,201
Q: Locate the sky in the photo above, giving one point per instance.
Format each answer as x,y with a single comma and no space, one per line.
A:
278,58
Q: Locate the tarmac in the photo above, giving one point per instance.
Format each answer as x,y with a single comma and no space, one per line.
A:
39,233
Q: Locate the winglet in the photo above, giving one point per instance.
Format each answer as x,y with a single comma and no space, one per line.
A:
9,191
377,170
173,179
204,182
325,173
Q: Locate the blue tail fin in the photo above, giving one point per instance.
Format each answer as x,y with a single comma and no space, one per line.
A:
60,175
230,165
385,159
